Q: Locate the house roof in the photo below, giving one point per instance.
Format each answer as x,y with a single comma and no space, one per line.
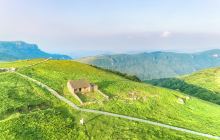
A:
79,83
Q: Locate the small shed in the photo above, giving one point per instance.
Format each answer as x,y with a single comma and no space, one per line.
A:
81,85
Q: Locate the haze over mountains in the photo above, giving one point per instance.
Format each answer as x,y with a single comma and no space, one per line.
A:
157,65
152,65
18,50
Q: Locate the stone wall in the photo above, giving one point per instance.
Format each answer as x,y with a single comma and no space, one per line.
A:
94,88
71,90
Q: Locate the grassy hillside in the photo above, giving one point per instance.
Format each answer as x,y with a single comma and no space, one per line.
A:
148,102
30,112
156,65
151,102
204,84
209,79
19,64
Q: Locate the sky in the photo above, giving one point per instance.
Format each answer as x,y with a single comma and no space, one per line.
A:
77,26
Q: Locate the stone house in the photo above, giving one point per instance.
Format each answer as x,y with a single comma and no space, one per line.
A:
82,86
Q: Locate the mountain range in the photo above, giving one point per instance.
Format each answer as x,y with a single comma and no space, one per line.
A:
156,65
18,50
146,66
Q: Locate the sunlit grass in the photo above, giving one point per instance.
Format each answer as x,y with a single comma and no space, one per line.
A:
49,118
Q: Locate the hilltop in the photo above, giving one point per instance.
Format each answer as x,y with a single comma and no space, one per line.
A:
156,65
18,50
126,97
204,84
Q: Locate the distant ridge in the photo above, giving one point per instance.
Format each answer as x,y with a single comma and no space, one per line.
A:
156,65
18,50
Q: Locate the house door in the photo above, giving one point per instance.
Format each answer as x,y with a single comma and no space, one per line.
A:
80,89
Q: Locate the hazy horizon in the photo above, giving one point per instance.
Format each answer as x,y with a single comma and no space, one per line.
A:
96,26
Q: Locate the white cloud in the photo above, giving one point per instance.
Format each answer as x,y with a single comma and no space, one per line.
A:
215,55
165,34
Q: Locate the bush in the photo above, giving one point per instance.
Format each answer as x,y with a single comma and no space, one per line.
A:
125,75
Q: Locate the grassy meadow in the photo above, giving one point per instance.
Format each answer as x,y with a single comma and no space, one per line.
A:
208,79
31,111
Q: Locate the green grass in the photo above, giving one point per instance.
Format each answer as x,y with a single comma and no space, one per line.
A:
204,84
152,103
90,97
208,79
20,97
19,63
30,112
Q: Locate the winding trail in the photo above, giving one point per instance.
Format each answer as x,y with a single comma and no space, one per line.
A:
40,62
53,92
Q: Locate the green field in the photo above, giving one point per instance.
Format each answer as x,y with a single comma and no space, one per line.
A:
19,64
208,79
91,97
204,84
30,112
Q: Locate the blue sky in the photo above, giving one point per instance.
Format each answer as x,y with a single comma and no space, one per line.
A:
70,26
